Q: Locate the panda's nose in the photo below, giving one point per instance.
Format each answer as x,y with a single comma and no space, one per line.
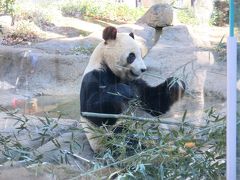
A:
143,70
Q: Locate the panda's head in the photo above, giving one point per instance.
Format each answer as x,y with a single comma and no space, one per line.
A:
121,53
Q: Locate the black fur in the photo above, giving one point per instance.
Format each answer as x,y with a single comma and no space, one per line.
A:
109,33
131,57
131,34
158,100
103,92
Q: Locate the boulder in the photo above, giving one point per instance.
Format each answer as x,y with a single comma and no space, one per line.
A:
68,46
159,15
177,54
67,133
40,72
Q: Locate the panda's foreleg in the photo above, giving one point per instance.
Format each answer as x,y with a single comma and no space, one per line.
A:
158,100
175,88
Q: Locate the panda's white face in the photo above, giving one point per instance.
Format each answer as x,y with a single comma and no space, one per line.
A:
123,57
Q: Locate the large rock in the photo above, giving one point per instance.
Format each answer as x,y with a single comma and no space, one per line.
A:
40,72
159,15
177,54
68,46
64,131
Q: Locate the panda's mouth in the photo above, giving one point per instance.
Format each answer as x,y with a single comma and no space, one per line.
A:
134,74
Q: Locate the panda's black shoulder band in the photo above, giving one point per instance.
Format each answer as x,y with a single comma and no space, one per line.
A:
109,33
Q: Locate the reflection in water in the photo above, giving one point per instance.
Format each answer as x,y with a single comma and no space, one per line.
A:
67,106
22,79
28,106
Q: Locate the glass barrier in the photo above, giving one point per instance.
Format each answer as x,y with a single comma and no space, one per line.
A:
161,132
237,34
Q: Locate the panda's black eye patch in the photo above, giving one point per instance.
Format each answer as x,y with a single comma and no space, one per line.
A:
131,57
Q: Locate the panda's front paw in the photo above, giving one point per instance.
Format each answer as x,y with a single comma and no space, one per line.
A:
175,88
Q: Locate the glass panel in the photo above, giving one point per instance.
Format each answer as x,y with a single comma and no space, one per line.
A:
237,34
44,51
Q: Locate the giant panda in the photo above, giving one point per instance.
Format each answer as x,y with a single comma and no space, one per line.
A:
113,77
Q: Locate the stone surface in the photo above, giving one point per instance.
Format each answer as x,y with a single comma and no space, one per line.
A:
66,46
159,15
41,72
66,132
16,173
176,53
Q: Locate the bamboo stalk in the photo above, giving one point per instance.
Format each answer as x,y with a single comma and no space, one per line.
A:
79,157
122,116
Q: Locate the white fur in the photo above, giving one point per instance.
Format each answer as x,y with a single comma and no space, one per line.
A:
94,142
114,55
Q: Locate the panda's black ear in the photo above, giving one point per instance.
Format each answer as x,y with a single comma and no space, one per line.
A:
109,33
132,35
